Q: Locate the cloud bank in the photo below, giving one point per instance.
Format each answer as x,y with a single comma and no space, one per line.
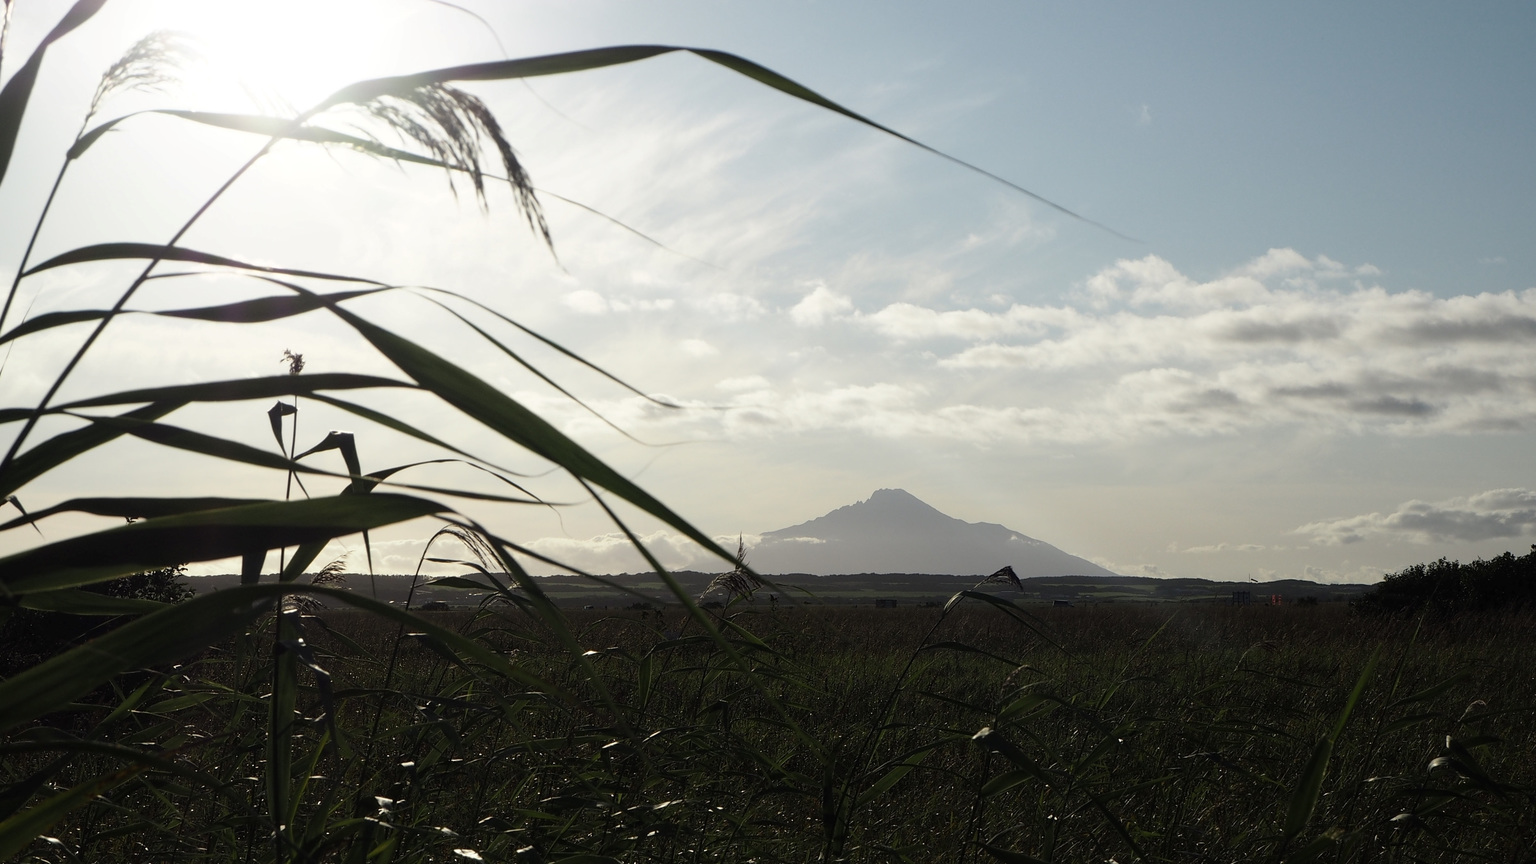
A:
1138,350
1491,515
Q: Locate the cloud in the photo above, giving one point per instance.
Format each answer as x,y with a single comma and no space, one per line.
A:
1139,351
727,307
614,553
1152,570
1496,514
1362,575
586,302
1228,547
907,322
698,348
820,306
1283,339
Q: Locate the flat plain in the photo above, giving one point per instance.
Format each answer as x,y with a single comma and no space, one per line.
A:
985,730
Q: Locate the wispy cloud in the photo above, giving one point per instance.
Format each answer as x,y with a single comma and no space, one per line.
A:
1227,547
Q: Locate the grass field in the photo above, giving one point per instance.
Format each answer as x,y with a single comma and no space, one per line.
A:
626,589
1112,732
254,724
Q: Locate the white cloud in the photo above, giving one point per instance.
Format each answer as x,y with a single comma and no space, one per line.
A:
1362,575
746,382
1152,570
1143,352
820,306
698,348
614,553
586,302
1227,547
907,322
1171,354
641,304
728,307
1496,514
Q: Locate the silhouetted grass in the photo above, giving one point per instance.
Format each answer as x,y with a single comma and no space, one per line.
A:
245,725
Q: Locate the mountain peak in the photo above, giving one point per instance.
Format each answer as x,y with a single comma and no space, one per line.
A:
894,531
893,496
897,499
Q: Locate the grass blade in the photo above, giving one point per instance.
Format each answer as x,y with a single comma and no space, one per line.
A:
18,91
24,827
578,61
74,602
161,637
130,508
514,421
64,447
202,536
160,252
239,390
1309,787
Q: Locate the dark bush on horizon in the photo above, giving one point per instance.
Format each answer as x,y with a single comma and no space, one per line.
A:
1444,587
28,637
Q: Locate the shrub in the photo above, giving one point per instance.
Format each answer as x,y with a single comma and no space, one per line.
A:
29,636
1448,587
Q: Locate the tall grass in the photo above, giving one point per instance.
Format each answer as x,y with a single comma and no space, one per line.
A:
247,725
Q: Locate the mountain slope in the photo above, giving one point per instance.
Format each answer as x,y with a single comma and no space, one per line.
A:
894,532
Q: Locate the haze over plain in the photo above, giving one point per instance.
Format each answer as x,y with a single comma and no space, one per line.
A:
1316,360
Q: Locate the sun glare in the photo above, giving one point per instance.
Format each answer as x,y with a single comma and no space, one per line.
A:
285,55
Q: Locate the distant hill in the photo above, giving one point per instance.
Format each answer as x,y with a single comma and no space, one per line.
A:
910,589
894,532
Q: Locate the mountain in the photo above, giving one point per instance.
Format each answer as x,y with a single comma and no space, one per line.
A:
894,532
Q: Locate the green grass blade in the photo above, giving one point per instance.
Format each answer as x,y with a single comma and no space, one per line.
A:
514,421
203,536
135,508
1354,695
527,67
176,437
64,447
1434,690
578,61
269,387
256,124
177,631
561,349
50,320
465,647
396,424
161,637
74,602
1009,857
994,741
893,776
17,832
159,252
267,308
1309,787
277,127
1304,796
18,91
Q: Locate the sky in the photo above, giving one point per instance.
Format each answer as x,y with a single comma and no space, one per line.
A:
1293,335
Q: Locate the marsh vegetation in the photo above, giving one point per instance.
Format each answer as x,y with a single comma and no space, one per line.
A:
250,725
